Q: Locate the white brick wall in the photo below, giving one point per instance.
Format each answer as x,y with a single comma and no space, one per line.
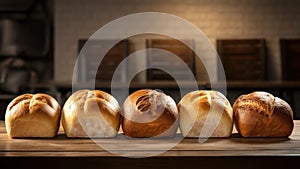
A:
267,19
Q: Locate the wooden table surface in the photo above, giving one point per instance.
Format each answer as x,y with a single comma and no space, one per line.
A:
234,146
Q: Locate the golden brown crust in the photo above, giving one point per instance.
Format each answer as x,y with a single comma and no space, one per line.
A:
148,113
260,114
32,115
196,107
91,113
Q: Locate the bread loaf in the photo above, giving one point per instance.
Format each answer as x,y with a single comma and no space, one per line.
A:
205,112
148,113
260,114
32,115
91,113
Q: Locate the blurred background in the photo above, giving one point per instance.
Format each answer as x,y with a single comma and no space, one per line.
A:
258,42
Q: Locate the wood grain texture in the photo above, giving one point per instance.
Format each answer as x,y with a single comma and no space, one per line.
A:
277,85
290,51
61,146
243,55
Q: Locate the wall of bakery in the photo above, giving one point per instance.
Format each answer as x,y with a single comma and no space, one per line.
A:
218,19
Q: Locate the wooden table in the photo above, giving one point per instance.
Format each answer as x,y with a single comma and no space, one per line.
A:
236,152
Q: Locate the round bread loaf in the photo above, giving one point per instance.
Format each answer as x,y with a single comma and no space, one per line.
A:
32,115
205,114
91,113
148,113
260,114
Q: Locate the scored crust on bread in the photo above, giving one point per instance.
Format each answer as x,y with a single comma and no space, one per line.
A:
32,115
260,114
91,113
205,113
148,113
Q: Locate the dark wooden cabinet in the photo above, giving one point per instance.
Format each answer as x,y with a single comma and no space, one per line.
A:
243,59
290,59
90,61
162,60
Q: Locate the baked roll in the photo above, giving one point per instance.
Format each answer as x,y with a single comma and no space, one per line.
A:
91,113
260,114
205,114
148,113
32,115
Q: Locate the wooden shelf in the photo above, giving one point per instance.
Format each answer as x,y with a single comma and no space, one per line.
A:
7,96
264,85
133,85
277,85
